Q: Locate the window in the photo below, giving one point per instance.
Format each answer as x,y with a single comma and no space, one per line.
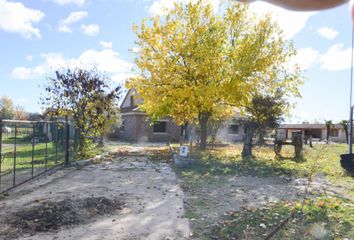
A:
233,129
159,127
334,133
132,104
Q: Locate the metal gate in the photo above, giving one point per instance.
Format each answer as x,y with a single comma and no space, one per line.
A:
31,148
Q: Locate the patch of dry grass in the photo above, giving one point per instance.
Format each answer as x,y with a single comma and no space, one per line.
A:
264,162
329,217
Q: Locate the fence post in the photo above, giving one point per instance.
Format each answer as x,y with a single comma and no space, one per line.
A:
0,137
1,159
33,142
67,130
46,146
56,143
76,142
15,142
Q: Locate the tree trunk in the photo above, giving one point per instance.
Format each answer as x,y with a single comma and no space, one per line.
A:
346,136
250,130
328,131
203,121
101,141
261,136
297,141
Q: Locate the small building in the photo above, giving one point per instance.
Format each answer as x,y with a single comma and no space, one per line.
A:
233,131
136,126
316,131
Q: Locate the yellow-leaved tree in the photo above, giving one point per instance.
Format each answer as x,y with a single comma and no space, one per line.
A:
195,61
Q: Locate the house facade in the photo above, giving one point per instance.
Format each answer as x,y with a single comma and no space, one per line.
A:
316,131
136,126
232,131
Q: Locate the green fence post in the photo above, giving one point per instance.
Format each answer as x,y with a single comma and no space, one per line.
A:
56,143
15,143
1,159
33,142
67,130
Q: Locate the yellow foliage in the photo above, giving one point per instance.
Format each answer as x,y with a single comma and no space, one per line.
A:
195,61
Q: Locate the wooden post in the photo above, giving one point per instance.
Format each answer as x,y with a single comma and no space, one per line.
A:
298,143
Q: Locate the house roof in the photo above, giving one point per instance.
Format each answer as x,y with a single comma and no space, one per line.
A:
308,126
130,109
136,108
125,98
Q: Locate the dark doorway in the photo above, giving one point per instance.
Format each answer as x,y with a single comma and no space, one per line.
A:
315,133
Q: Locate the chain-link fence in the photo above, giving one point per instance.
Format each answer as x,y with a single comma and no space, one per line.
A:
29,149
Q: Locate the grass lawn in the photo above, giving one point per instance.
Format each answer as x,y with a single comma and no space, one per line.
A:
321,216
21,138
24,156
322,158
325,158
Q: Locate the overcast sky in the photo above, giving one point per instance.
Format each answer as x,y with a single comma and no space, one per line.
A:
38,36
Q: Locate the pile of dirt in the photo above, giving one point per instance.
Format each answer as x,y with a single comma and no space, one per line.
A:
51,216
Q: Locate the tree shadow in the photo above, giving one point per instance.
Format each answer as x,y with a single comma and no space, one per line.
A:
293,159
253,166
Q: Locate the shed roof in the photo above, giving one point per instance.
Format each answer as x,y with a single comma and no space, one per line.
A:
308,126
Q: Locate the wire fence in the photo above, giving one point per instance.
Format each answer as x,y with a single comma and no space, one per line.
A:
29,149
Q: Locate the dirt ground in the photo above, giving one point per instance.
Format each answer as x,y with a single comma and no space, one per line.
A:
206,202
131,196
133,193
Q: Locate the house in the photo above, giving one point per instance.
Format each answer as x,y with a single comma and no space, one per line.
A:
136,126
233,130
316,131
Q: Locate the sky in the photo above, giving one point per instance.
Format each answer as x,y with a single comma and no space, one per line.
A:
38,36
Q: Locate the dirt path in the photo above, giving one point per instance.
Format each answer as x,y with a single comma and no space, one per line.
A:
153,202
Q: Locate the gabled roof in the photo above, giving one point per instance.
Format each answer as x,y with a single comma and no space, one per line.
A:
125,98
125,106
